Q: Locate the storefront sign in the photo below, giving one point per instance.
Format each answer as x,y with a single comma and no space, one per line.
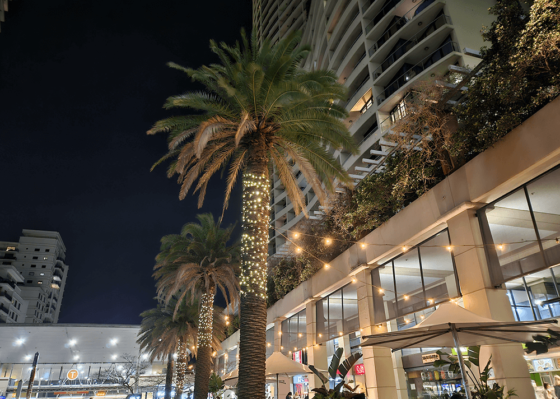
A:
430,358
359,369
101,393
72,374
297,356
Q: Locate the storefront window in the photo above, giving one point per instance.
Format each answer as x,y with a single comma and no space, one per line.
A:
349,343
231,361
520,230
294,333
337,314
221,365
417,279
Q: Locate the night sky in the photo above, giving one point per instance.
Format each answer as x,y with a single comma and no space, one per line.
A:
80,84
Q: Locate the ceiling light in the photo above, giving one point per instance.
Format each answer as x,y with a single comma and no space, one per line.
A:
76,357
72,342
114,341
114,357
28,357
20,341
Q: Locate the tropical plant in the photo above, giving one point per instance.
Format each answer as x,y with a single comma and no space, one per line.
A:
215,386
199,262
337,369
542,343
260,114
166,330
482,389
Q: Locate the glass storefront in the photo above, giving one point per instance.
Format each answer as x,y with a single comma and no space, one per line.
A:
356,378
294,333
419,278
337,314
521,231
269,342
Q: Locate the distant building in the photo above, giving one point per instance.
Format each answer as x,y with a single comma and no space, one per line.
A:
32,278
379,49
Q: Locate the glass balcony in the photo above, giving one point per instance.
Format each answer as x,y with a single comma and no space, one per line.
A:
414,70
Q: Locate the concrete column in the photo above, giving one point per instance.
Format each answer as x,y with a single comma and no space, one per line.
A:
316,354
510,368
278,333
378,362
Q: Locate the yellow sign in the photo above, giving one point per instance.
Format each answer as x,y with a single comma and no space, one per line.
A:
101,393
72,374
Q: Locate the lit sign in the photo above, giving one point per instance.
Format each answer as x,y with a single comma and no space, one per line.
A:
297,356
101,393
72,374
359,369
430,358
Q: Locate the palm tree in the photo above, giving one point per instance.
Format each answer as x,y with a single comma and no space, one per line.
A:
168,330
199,261
260,113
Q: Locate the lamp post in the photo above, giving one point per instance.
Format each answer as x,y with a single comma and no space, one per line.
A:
32,376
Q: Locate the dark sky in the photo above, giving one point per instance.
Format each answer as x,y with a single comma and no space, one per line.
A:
80,83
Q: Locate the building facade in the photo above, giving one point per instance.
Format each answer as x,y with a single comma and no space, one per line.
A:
379,49
487,238
32,278
3,9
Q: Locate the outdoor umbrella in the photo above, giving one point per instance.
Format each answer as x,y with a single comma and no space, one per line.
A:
453,326
276,364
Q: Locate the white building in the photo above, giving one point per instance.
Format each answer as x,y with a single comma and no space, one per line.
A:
379,49
486,237
32,278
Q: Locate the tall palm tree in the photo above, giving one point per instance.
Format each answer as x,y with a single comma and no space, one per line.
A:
167,331
260,113
199,261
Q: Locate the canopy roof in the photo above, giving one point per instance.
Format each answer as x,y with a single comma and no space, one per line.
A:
276,363
472,330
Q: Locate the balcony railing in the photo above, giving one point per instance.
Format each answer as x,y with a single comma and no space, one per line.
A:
6,295
366,79
369,134
9,282
402,50
352,45
4,309
427,62
384,11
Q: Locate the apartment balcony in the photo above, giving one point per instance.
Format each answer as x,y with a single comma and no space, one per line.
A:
360,89
437,62
6,284
347,21
394,12
406,27
412,52
4,310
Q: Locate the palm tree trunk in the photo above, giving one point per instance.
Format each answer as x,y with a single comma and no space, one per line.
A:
181,367
204,350
256,214
169,376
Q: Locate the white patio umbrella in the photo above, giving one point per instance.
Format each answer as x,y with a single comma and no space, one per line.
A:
453,326
276,364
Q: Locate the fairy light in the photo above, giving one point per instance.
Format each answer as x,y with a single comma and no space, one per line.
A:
255,221
181,365
328,241
381,290
449,248
363,245
406,297
353,280
206,320
298,250
296,235
326,266
501,247
404,248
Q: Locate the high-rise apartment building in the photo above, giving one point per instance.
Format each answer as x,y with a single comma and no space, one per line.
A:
32,278
379,49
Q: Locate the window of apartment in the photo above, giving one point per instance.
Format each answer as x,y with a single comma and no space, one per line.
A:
45,258
37,249
231,360
33,265
35,257
47,250
29,281
399,111
41,274
43,266
39,282
221,365
419,278
31,273
294,332
521,230
337,314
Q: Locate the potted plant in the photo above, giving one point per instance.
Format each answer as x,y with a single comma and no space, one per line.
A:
342,369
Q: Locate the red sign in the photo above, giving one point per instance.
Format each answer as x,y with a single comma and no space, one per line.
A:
359,369
297,356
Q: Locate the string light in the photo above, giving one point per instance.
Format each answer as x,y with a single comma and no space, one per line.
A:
404,248
501,247
353,280
430,301
363,245
381,290
206,320
298,250
268,344
406,297
181,365
449,248
296,235
328,241
255,223
326,266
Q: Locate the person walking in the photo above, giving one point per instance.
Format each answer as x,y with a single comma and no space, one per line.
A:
549,391
289,395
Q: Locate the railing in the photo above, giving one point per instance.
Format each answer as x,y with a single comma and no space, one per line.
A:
352,45
369,134
384,11
6,295
360,60
4,309
358,89
403,79
9,282
367,4
402,50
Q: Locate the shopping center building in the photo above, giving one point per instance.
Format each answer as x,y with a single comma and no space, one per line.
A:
486,237
75,361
